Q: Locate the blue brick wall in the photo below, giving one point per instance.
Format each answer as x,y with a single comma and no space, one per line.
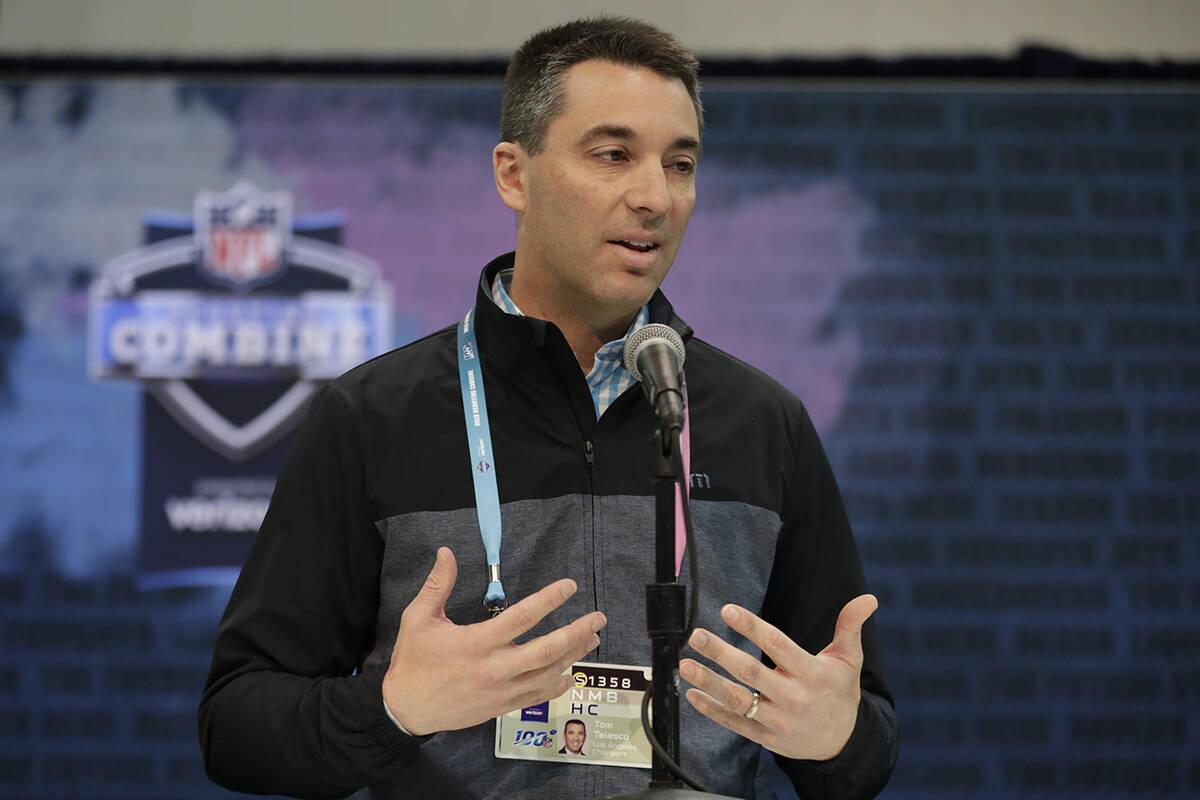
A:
990,298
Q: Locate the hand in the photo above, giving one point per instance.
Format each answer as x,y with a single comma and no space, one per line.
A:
808,703
445,676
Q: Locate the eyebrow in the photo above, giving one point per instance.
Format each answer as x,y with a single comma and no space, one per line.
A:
625,133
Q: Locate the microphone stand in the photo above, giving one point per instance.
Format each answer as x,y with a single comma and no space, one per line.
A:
666,625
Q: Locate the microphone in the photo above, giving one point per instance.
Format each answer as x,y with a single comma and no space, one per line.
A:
654,356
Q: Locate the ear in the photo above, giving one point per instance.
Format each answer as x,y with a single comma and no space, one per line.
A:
509,160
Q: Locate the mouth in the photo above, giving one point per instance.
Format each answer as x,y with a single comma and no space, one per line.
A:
635,245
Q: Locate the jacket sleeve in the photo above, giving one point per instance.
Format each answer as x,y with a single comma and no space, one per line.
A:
816,572
284,710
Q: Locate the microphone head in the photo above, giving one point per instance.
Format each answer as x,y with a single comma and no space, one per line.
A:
642,337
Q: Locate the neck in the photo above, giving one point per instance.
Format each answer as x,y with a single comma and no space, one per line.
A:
585,328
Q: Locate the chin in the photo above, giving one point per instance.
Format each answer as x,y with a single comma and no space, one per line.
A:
636,287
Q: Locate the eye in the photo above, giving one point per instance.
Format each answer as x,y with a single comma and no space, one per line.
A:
612,156
684,167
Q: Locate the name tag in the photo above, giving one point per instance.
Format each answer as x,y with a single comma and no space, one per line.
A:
597,721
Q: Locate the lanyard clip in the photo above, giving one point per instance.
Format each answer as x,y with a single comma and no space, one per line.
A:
494,600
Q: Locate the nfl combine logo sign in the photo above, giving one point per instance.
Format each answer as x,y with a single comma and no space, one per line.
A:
230,318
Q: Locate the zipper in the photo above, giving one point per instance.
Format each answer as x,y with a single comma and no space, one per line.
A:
589,455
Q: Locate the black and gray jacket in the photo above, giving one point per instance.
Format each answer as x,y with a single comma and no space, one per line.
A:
378,479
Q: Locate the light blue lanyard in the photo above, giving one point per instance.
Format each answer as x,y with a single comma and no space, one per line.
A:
483,466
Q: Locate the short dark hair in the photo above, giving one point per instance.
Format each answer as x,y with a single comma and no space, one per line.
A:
574,722
533,94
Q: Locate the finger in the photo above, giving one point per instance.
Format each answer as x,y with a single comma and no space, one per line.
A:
749,728
533,694
522,616
431,599
774,643
847,637
733,696
559,648
545,683
741,665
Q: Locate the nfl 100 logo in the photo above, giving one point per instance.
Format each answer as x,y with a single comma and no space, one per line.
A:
230,318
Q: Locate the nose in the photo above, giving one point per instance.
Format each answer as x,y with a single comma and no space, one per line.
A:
649,192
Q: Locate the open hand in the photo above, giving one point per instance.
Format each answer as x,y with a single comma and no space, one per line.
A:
808,704
445,676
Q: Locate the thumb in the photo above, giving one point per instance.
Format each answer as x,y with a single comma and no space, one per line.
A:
431,600
847,638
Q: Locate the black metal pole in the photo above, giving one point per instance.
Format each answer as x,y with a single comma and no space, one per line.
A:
666,623
665,613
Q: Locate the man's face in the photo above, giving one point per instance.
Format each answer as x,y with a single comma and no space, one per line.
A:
605,204
575,735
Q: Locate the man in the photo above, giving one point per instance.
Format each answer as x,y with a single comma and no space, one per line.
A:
574,735
344,661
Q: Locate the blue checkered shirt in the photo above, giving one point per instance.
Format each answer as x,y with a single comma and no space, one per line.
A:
608,377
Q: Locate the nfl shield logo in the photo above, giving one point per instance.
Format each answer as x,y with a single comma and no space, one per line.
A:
241,234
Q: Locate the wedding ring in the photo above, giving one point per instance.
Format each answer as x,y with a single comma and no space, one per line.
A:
753,710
